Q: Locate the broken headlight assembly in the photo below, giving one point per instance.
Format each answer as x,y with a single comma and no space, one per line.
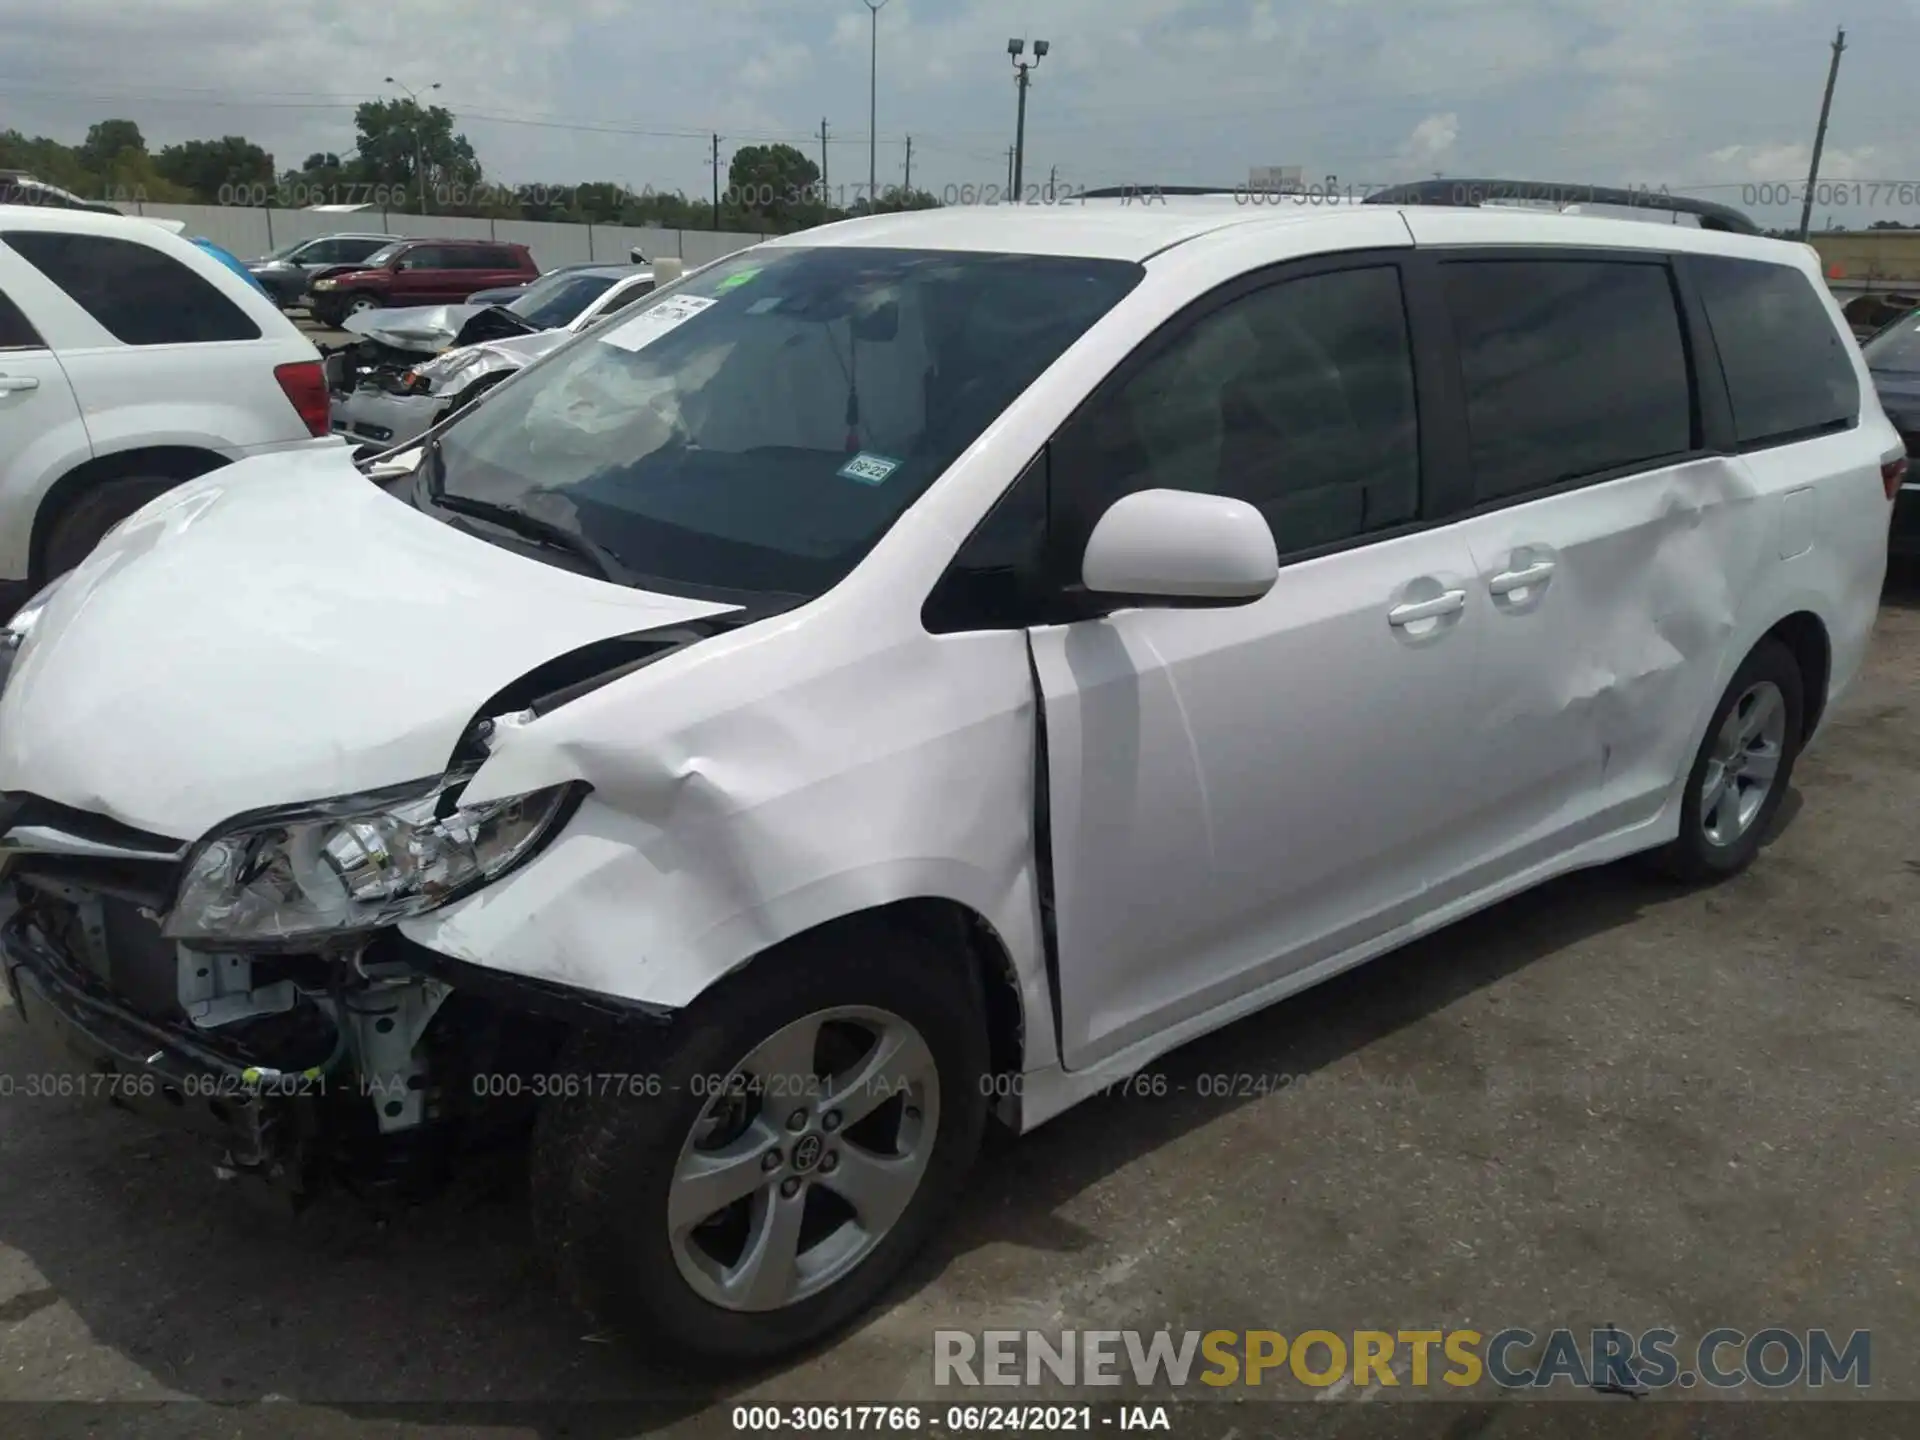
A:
428,374
356,864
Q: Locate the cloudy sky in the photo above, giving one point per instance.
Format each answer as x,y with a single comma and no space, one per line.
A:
1687,93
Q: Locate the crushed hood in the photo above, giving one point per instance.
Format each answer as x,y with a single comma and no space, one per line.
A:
433,328
280,631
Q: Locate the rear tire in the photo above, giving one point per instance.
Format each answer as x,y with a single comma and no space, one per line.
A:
611,1167
1751,742
92,513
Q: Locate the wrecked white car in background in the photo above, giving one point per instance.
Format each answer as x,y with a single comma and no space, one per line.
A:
416,366
929,664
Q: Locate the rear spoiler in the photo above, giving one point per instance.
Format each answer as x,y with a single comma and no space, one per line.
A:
172,227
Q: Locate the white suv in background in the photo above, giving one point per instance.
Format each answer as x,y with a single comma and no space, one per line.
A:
130,360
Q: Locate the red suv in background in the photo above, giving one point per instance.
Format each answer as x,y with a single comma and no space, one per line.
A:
418,272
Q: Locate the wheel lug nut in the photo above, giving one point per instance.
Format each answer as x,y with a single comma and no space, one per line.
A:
797,1120
790,1186
830,1121
771,1161
829,1163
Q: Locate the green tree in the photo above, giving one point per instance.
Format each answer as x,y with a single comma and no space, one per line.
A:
216,170
772,183
107,141
405,144
896,199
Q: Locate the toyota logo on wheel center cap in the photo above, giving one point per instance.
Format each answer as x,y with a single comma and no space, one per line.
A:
806,1154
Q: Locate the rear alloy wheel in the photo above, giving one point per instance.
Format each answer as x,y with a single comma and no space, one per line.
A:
802,1128
1742,770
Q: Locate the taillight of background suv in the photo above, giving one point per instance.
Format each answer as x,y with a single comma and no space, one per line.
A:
305,384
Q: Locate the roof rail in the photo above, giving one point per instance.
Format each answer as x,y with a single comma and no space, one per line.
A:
1149,192
1713,215
19,188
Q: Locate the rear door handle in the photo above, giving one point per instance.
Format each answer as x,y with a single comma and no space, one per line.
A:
1507,581
1445,604
10,383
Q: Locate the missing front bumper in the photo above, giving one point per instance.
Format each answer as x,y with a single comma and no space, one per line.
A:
114,1054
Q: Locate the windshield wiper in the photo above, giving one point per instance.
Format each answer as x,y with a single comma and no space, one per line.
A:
605,563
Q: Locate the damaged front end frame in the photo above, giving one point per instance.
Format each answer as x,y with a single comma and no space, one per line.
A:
380,1068
363,1060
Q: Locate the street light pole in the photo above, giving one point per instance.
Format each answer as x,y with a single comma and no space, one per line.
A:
873,105
419,151
1014,50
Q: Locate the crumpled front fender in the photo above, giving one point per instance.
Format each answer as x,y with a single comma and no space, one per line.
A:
718,825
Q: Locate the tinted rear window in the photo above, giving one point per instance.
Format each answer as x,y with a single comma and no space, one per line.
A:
16,331
350,250
1787,368
1571,368
139,295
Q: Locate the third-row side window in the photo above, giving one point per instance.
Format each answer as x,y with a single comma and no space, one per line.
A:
1571,368
16,331
1788,371
139,295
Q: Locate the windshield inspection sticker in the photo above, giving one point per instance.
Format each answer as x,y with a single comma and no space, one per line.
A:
736,280
656,320
868,469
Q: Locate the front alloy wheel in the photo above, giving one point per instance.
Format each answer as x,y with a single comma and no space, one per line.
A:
789,1181
803,1126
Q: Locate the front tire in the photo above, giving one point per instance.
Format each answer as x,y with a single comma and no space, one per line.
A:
359,304
812,1118
1742,771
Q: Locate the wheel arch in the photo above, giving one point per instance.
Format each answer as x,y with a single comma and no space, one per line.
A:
175,462
1806,639
973,942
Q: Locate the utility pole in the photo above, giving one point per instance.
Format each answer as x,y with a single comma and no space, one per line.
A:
1014,50
873,106
1052,172
1009,170
909,184
716,182
1820,134
825,192
419,150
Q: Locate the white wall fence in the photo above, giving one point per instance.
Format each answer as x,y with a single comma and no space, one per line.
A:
249,232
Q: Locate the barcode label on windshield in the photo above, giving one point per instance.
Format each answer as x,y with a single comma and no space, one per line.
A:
656,320
868,469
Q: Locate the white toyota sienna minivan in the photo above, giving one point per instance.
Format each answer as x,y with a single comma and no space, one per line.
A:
917,670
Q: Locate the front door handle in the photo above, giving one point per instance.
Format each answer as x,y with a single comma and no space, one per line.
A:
10,383
1507,581
1448,603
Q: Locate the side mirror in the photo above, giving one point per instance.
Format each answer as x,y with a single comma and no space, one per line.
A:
1177,547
